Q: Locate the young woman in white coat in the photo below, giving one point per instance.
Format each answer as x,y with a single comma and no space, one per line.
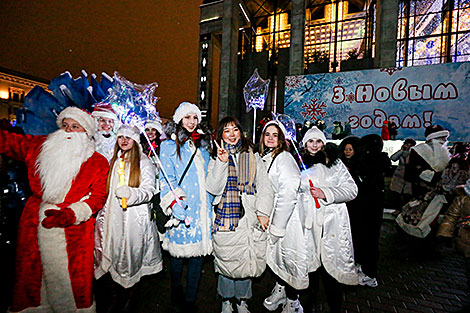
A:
237,178
326,186
286,254
126,241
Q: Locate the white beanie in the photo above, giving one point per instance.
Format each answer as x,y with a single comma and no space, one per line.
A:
130,132
154,124
81,116
184,109
313,133
281,126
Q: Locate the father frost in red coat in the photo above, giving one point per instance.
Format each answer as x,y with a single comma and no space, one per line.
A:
54,258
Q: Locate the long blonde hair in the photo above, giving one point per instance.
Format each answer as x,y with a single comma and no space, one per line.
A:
133,158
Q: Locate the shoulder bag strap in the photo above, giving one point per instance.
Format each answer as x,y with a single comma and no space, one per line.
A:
187,167
272,161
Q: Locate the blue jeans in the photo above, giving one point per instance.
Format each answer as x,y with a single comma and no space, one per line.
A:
234,288
193,275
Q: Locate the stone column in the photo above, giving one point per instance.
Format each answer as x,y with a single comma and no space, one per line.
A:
297,38
229,59
386,33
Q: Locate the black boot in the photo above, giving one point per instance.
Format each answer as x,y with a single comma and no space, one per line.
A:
188,307
177,294
130,295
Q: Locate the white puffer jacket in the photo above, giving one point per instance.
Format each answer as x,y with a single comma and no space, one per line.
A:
327,228
288,256
240,253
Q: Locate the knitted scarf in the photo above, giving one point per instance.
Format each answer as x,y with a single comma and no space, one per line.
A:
229,210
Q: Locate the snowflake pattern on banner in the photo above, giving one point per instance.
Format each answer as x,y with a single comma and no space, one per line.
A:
313,109
351,97
390,70
293,82
338,81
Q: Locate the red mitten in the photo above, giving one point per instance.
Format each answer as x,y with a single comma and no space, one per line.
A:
59,218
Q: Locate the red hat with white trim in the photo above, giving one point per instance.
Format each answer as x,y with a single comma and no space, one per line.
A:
81,116
104,110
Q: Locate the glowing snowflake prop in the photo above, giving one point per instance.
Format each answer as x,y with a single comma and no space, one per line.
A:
313,109
255,92
134,104
289,125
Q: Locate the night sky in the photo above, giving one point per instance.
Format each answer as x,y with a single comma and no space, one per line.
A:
144,40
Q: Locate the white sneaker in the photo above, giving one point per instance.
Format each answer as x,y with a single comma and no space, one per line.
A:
292,306
277,297
242,307
227,307
365,280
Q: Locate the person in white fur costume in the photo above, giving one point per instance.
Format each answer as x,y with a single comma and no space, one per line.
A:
108,123
126,240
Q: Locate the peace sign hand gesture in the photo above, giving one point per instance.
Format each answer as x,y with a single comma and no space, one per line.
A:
222,154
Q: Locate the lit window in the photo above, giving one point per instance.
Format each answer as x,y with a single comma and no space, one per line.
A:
431,32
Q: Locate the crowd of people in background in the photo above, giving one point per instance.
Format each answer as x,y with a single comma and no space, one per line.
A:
103,200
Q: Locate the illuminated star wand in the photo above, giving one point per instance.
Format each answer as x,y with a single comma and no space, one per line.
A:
134,104
157,159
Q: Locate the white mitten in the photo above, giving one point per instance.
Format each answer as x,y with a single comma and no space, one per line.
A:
123,192
172,222
426,175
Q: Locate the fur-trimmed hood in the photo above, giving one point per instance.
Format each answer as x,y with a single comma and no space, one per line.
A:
328,156
171,130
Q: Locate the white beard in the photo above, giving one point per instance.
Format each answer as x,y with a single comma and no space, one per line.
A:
58,163
441,155
105,145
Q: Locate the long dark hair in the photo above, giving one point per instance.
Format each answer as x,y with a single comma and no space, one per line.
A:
246,143
281,141
179,134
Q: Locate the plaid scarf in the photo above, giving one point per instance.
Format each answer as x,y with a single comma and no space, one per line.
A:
229,210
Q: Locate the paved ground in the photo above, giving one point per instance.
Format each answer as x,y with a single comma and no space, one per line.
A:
414,276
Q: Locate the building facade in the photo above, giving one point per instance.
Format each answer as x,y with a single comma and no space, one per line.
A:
13,88
282,38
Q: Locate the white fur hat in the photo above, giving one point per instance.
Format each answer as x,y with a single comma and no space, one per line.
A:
154,124
313,133
130,132
281,126
81,116
184,109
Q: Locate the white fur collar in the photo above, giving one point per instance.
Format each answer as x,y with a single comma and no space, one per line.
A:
437,156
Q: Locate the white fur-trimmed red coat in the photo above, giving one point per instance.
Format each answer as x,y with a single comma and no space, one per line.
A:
56,263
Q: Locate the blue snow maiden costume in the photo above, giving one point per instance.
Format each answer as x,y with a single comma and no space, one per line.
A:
180,239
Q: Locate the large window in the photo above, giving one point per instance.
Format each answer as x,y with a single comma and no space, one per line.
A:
339,30
269,26
433,31
335,30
